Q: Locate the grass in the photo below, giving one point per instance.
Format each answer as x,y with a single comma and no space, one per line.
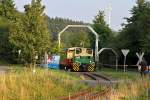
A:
120,75
3,62
130,90
22,83
41,85
131,87
145,95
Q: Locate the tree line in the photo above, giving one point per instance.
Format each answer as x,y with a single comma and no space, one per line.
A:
34,33
26,35
135,34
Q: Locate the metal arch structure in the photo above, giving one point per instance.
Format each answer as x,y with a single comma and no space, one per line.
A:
113,52
82,26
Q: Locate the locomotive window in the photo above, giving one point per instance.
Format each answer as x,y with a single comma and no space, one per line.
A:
78,50
89,51
89,57
70,50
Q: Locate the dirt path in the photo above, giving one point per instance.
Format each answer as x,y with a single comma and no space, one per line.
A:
4,69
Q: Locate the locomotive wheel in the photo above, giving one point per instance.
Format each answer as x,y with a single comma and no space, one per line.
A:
76,67
91,67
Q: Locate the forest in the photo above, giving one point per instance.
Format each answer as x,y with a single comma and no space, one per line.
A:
34,33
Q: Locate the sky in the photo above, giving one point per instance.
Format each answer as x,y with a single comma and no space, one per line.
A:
85,10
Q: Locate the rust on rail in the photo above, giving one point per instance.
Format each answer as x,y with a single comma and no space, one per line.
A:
79,94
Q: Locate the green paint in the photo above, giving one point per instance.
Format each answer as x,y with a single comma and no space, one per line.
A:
83,59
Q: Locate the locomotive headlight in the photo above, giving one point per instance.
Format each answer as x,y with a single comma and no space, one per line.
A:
90,61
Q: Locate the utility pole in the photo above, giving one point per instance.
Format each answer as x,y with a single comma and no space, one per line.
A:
108,10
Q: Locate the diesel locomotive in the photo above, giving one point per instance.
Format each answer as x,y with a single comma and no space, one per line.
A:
77,59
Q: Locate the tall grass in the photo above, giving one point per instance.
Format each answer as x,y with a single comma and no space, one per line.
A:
131,87
41,85
130,90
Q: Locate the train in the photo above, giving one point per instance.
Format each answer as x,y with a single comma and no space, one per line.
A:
77,59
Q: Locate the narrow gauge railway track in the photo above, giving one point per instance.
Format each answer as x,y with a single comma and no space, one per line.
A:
88,94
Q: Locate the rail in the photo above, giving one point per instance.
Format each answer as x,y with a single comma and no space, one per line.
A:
88,94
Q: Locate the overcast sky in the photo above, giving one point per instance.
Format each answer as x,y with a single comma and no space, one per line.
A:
85,10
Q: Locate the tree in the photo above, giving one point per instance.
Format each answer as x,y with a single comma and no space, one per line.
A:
102,29
7,9
136,30
30,33
80,39
7,15
135,34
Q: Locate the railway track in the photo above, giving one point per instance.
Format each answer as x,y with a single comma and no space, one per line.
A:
88,94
